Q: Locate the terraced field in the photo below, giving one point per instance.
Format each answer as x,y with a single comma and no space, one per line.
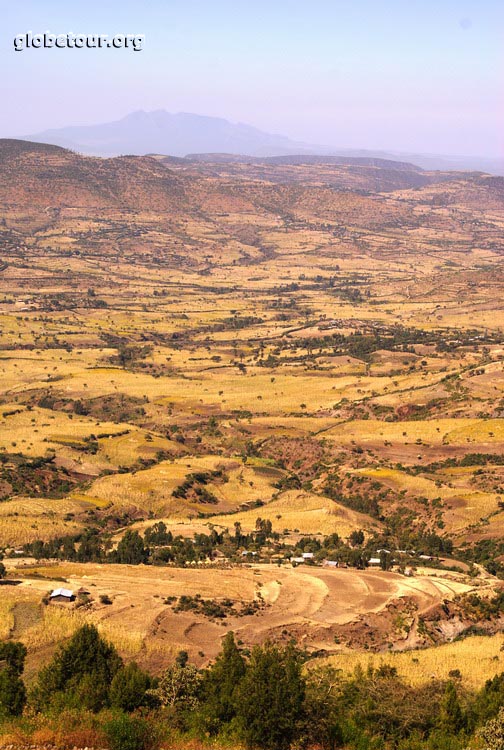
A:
311,604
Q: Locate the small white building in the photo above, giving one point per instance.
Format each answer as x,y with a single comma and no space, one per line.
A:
308,555
62,595
374,561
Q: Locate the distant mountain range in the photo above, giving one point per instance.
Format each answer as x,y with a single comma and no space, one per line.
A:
174,134
180,134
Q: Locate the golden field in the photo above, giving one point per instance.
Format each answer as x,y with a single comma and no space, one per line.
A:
421,666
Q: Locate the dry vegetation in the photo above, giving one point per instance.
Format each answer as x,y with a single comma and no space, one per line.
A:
421,667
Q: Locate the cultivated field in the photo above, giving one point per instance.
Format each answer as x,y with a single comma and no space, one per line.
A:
267,356
421,667
311,604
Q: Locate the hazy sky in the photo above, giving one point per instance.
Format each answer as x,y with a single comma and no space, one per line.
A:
420,75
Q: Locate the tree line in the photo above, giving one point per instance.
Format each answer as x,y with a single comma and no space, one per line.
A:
267,698
158,546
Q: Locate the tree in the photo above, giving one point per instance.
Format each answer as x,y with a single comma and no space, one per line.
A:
492,733
128,354
131,549
490,698
158,534
182,658
3,569
323,708
129,687
12,689
270,698
179,687
379,698
13,655
385,560
356,538
79,674
221,684
452,719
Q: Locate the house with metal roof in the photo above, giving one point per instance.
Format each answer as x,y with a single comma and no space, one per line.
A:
62,595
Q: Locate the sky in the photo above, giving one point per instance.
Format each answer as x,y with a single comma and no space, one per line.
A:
425,76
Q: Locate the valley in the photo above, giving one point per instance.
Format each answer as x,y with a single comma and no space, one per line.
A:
279,356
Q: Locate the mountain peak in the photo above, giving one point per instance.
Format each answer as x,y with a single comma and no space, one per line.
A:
178,134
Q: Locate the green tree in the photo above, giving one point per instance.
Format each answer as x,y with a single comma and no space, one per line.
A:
129,687
182,658
385,560
3,569
323,708
79,674
270,698
490,698
220,685
452,718
356,538
379,698
131,549
12,689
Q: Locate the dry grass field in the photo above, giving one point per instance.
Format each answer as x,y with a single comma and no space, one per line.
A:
421,666
151,490
302,512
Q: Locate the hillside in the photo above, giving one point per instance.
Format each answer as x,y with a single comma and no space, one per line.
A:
276,357
353,173
48,176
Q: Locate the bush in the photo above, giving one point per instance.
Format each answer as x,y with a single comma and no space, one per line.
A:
125,732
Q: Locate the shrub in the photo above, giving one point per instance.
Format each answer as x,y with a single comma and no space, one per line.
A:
125,732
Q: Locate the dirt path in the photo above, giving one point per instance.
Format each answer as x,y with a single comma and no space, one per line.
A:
26,614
